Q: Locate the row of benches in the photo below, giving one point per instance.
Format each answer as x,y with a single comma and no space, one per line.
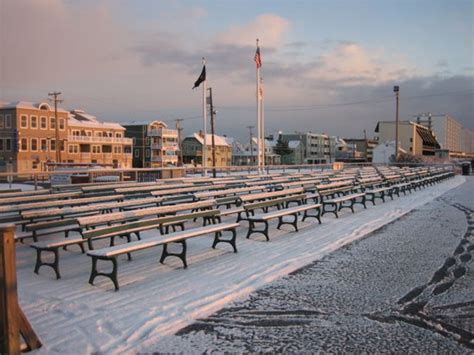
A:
333,196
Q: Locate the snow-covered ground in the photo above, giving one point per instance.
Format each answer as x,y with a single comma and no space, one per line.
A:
156,300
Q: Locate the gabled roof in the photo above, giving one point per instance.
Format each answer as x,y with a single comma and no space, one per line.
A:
218,140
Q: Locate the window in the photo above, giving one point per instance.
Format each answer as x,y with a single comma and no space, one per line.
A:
96,149
61,124
137,153
24,144
1,145
118,135
1,121
147,140
8,145
8,121
52,145
148,153
73,148
23,121
33,122
44,144
52,123
43,122
63,146
134,141
34,144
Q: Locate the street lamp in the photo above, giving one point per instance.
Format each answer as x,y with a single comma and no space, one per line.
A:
396,90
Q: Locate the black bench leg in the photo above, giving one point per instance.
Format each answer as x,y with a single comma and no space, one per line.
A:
330,211
317,216
363,202
181,255
294,223
112,275
253,230
218,239
54,264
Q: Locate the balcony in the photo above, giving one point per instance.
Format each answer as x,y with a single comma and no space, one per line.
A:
163,132
90,139
165,159
165,146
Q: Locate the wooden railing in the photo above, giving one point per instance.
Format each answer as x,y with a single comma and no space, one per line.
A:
13,321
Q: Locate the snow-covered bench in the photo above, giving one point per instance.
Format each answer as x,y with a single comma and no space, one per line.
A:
346,201
122,230
264,218
111,253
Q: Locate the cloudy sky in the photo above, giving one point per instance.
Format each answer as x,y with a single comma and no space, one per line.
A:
328,66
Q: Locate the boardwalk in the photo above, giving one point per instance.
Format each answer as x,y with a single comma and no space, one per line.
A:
157,300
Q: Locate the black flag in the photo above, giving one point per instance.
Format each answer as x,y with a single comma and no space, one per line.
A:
201,78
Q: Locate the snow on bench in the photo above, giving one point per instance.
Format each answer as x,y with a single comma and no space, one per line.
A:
112,253
338,203
290,211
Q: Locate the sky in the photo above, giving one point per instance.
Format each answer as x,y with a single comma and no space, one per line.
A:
329,66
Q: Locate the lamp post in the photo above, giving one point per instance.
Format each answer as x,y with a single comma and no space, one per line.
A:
396,90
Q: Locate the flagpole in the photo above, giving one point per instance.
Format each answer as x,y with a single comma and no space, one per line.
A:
259,155
204,125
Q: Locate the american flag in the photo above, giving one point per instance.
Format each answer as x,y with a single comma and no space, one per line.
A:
258,58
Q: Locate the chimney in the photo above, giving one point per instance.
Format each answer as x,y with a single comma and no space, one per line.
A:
200,134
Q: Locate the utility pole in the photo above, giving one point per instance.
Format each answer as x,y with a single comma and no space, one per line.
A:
58,146
251,144
366,145
143,146
179,129
211,109
396,90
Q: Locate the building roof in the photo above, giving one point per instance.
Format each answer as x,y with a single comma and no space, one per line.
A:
28,105
293,144
78,118
427,136
218,140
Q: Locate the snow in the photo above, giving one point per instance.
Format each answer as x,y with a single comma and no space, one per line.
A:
23,187
156,300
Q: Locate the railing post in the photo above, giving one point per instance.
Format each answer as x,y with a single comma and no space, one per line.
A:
9,321
13,321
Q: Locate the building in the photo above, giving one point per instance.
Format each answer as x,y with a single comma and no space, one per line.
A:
364,146
29,138
91,141
155,145
192,150
384,153
414,138
467,141
246,154
451,135
313,148
347,152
